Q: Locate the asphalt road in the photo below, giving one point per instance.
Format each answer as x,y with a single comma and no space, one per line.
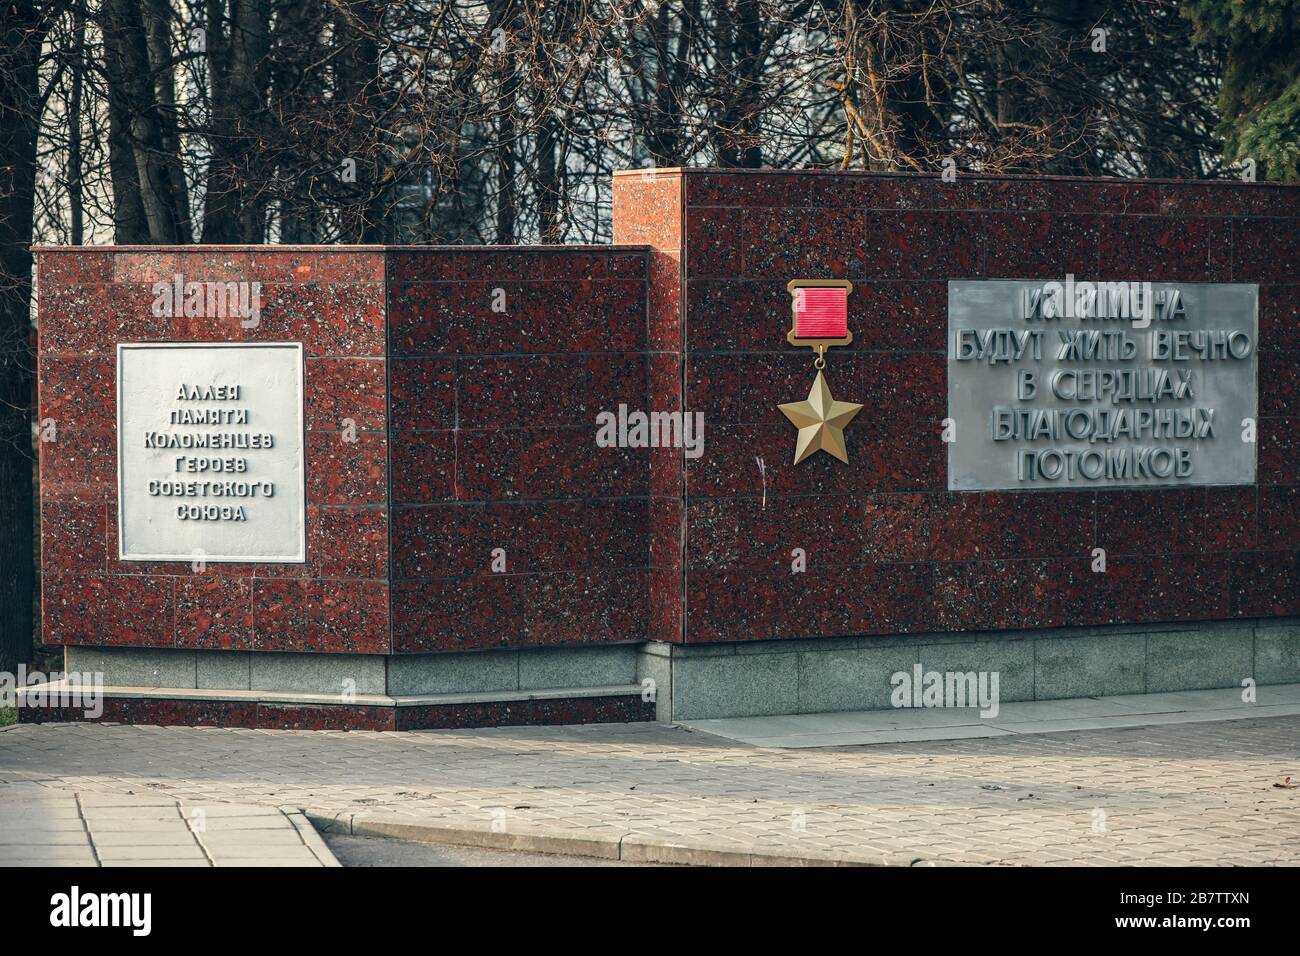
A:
380,851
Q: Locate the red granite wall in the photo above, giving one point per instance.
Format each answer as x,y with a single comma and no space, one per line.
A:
474,377
474,381
330,300
501,360
888,548
651,214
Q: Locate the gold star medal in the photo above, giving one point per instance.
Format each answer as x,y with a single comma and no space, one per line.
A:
821,308
821,421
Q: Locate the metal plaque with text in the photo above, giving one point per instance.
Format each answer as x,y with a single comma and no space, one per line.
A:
1072,384
210,452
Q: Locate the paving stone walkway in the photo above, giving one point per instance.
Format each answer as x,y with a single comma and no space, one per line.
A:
44,825
1026,717
1182,793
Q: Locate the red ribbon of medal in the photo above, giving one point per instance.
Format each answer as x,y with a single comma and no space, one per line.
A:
820,310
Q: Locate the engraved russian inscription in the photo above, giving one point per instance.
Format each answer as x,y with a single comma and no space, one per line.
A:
210,452
1106,384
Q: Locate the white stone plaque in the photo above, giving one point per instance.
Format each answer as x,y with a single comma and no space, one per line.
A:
210,452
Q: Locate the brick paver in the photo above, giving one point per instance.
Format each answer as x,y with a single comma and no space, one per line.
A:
1176,794
44,822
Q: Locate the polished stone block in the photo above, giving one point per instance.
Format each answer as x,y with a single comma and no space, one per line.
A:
1176,556
1090,665
851,679
224,670
141,668
1204,657
736,685
342,674
577,667
1277,653
475,672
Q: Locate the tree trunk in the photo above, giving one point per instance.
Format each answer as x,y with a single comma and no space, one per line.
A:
75,201
19,118
124,38
219,199
1062,83
548,181
158,24
234,208
249,80
129,224
357,81
505,150
298,31
738,134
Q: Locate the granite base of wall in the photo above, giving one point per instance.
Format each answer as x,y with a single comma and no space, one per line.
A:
214,711
357,691
700,682
476,672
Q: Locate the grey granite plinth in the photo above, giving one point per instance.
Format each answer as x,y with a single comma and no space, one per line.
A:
855,674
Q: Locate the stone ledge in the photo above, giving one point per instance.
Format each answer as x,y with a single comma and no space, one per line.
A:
359,700
630,846
287,710
476,671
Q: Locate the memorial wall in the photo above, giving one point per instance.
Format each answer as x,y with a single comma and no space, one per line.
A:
787,428
141,547
919,534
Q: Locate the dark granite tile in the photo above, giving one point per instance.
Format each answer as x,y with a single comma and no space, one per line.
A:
449,614
273,716
1279,317
1264,584
1263,251
73,536
343,472
79,464
340,390
64,267
505,314
1191,250
78,392
423,393
331,617
575,710
107,610
1279,451
156,712
1043,244
728,605
505,463
1279,518
214,613
423,467
607,607
1279,383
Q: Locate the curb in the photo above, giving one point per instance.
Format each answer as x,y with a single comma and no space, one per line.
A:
307,833
629,847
